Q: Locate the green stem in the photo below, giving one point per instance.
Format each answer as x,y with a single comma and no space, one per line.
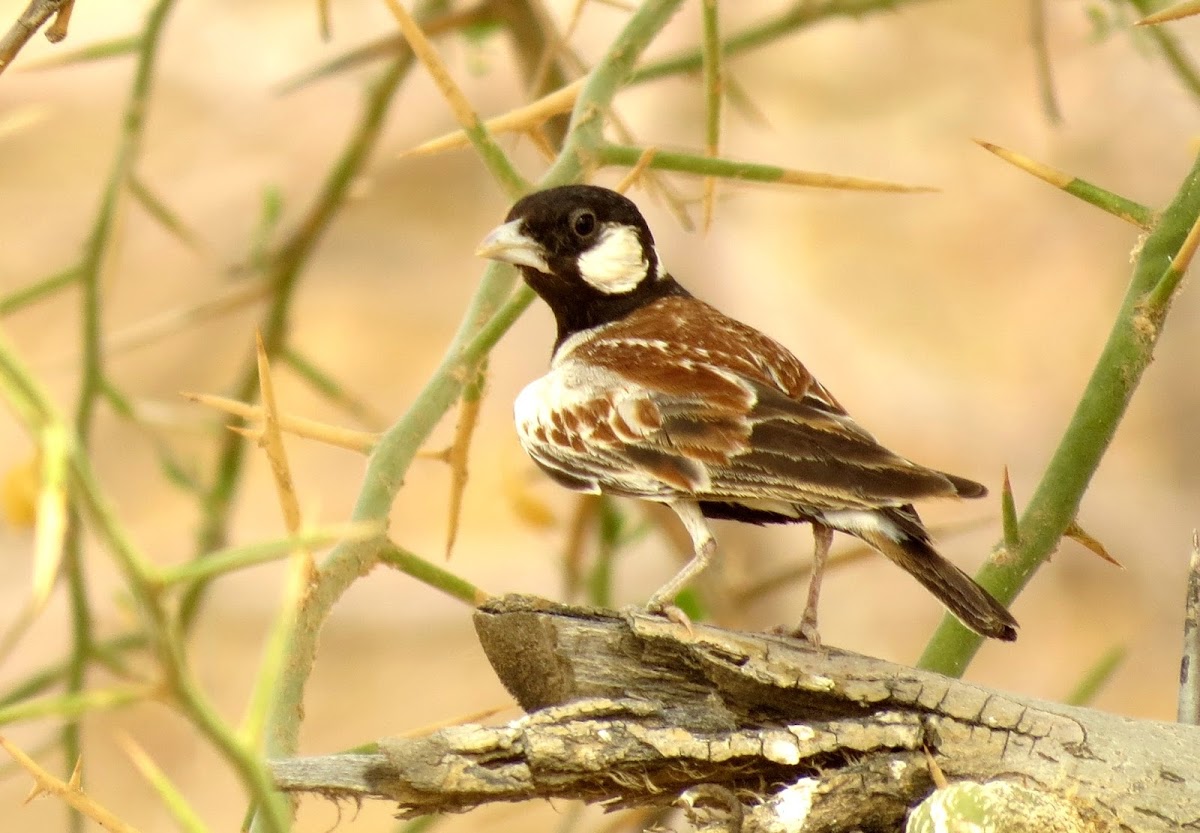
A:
273,808
1097,677
285,278
586,135
37,291
398,446
1055,503
768,31
430,574
92,382
691,163
164,635
70,706
46,678
249,555
91,504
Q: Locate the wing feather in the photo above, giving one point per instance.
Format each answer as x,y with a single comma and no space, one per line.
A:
659,406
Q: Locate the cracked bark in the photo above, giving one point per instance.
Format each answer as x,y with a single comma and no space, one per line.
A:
633,710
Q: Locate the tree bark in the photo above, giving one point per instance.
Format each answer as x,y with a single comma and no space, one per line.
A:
763,733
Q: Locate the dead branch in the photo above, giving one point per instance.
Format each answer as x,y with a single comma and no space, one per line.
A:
630,709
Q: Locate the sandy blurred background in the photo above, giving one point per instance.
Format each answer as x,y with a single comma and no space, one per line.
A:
960,327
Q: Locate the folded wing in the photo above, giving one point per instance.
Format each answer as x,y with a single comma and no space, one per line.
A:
714,435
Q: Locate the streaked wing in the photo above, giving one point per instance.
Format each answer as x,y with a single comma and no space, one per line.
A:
714,436
677,399
802,451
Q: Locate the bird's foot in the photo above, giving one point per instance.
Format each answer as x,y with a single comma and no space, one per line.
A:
663,607
809,633
806,630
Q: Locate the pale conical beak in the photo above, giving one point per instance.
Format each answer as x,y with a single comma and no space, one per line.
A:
508,244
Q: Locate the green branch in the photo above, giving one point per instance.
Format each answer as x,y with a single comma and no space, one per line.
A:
768,31
430,574
73,705
286,270
37,291
691,163
586,132
88,501
92,383
398,446
1126,355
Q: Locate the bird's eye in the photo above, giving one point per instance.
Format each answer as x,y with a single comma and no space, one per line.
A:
583,222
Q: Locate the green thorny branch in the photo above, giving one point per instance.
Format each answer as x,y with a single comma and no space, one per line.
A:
1125,357
493,308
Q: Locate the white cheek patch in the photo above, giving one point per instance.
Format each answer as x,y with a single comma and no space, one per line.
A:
616,262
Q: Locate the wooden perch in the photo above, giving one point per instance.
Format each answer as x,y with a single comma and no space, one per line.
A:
631,709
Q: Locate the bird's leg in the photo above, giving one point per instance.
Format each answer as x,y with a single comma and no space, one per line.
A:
822,540
704,546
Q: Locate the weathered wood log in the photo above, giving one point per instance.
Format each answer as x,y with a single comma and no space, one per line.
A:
631,709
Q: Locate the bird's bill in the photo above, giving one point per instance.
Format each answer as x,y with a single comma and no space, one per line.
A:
506,243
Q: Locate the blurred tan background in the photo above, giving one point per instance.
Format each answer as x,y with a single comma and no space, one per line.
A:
960,327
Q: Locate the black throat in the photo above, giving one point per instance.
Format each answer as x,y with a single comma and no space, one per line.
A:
579,307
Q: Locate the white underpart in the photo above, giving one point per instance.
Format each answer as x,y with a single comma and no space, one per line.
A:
857,520
570,385
616,262
660,271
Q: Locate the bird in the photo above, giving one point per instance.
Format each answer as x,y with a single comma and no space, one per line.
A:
654,394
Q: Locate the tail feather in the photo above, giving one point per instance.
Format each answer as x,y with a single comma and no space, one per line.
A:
966,488
970,603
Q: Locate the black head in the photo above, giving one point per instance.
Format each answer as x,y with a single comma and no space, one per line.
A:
586,250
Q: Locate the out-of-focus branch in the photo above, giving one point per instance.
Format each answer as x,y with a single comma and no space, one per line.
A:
33,18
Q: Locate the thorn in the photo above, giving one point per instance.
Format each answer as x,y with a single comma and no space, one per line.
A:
1183,258
1008,515
1176,12
361,441
1076,533
442,456
271,440
247,431
75,782
813,179
635,173
710,197
1114,204
519,120
324,24
1045,173
457,454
